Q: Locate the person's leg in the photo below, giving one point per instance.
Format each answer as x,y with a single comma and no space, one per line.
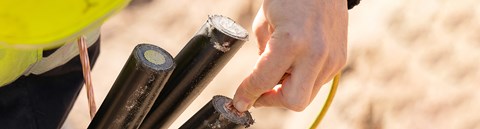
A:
43,101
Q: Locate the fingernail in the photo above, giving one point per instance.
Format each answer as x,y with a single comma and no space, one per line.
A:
242,106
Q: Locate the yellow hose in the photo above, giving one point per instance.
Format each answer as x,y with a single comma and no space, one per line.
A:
329,100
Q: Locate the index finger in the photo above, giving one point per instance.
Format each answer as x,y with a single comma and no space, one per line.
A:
269,69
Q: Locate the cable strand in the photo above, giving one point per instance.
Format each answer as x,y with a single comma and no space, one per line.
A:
83,49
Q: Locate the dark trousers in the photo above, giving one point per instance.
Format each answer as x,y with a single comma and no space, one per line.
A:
43,101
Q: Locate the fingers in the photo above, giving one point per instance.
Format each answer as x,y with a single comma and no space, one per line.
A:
269,69
296,89
325,75
331,68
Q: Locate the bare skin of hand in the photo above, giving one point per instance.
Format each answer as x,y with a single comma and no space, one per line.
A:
303,41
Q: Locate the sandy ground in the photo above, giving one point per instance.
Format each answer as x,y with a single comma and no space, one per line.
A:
412,63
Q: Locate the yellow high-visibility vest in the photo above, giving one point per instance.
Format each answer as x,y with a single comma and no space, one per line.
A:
27,27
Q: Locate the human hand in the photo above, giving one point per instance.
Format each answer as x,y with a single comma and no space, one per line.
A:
303,41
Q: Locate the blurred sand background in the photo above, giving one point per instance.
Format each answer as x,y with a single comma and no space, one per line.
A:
413,64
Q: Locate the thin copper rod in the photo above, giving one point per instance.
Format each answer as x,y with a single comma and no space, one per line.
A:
82,46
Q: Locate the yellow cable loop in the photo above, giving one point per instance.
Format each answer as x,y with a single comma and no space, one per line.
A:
328,102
